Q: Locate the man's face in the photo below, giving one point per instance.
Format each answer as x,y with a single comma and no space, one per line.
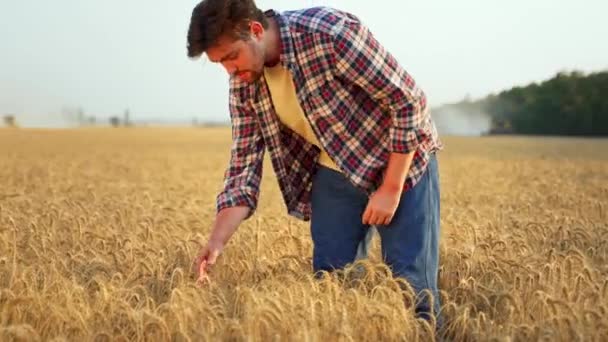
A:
243,58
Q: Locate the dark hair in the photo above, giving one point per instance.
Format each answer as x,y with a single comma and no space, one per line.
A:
213,18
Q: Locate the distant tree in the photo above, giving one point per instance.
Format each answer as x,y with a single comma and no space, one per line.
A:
570,103
126,120
10,121
114,121
81,117
567,104
75,115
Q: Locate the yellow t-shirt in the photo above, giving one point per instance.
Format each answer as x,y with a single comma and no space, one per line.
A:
289,111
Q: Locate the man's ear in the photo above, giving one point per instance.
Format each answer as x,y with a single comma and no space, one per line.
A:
256,29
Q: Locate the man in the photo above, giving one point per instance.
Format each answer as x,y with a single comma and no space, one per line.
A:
348,131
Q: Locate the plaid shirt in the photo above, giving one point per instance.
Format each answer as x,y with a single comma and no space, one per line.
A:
360,102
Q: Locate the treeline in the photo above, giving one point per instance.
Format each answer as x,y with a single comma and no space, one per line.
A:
571,103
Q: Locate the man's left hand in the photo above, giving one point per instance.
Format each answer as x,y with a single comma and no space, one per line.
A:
382,206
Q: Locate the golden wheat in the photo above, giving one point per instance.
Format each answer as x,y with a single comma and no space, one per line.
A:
98,228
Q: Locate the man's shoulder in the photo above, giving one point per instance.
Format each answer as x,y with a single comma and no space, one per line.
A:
320,19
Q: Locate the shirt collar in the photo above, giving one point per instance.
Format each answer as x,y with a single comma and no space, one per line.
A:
287,56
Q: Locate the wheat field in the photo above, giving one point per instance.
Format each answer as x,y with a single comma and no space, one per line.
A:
98,228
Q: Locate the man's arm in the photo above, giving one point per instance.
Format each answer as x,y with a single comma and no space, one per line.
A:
244,174
238,200
396,171
226,223
360,59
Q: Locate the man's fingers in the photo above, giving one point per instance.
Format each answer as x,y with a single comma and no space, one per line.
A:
202,273
213,257
379,218
374,218
366,215
202,268
196,267
202,255
203,261
387,221
202,280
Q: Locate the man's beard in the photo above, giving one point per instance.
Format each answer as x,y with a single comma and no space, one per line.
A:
249,75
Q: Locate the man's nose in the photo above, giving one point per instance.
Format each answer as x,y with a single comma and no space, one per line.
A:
230,68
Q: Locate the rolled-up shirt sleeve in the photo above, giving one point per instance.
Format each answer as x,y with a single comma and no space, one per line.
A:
243,176
360,59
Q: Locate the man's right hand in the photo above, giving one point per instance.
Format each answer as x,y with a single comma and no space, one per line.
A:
226,223
207,256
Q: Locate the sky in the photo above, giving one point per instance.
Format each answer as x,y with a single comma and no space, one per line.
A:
109,56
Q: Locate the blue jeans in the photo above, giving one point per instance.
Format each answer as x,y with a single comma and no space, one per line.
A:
410,243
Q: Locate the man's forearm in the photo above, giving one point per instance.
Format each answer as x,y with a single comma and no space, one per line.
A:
226,223
397,169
